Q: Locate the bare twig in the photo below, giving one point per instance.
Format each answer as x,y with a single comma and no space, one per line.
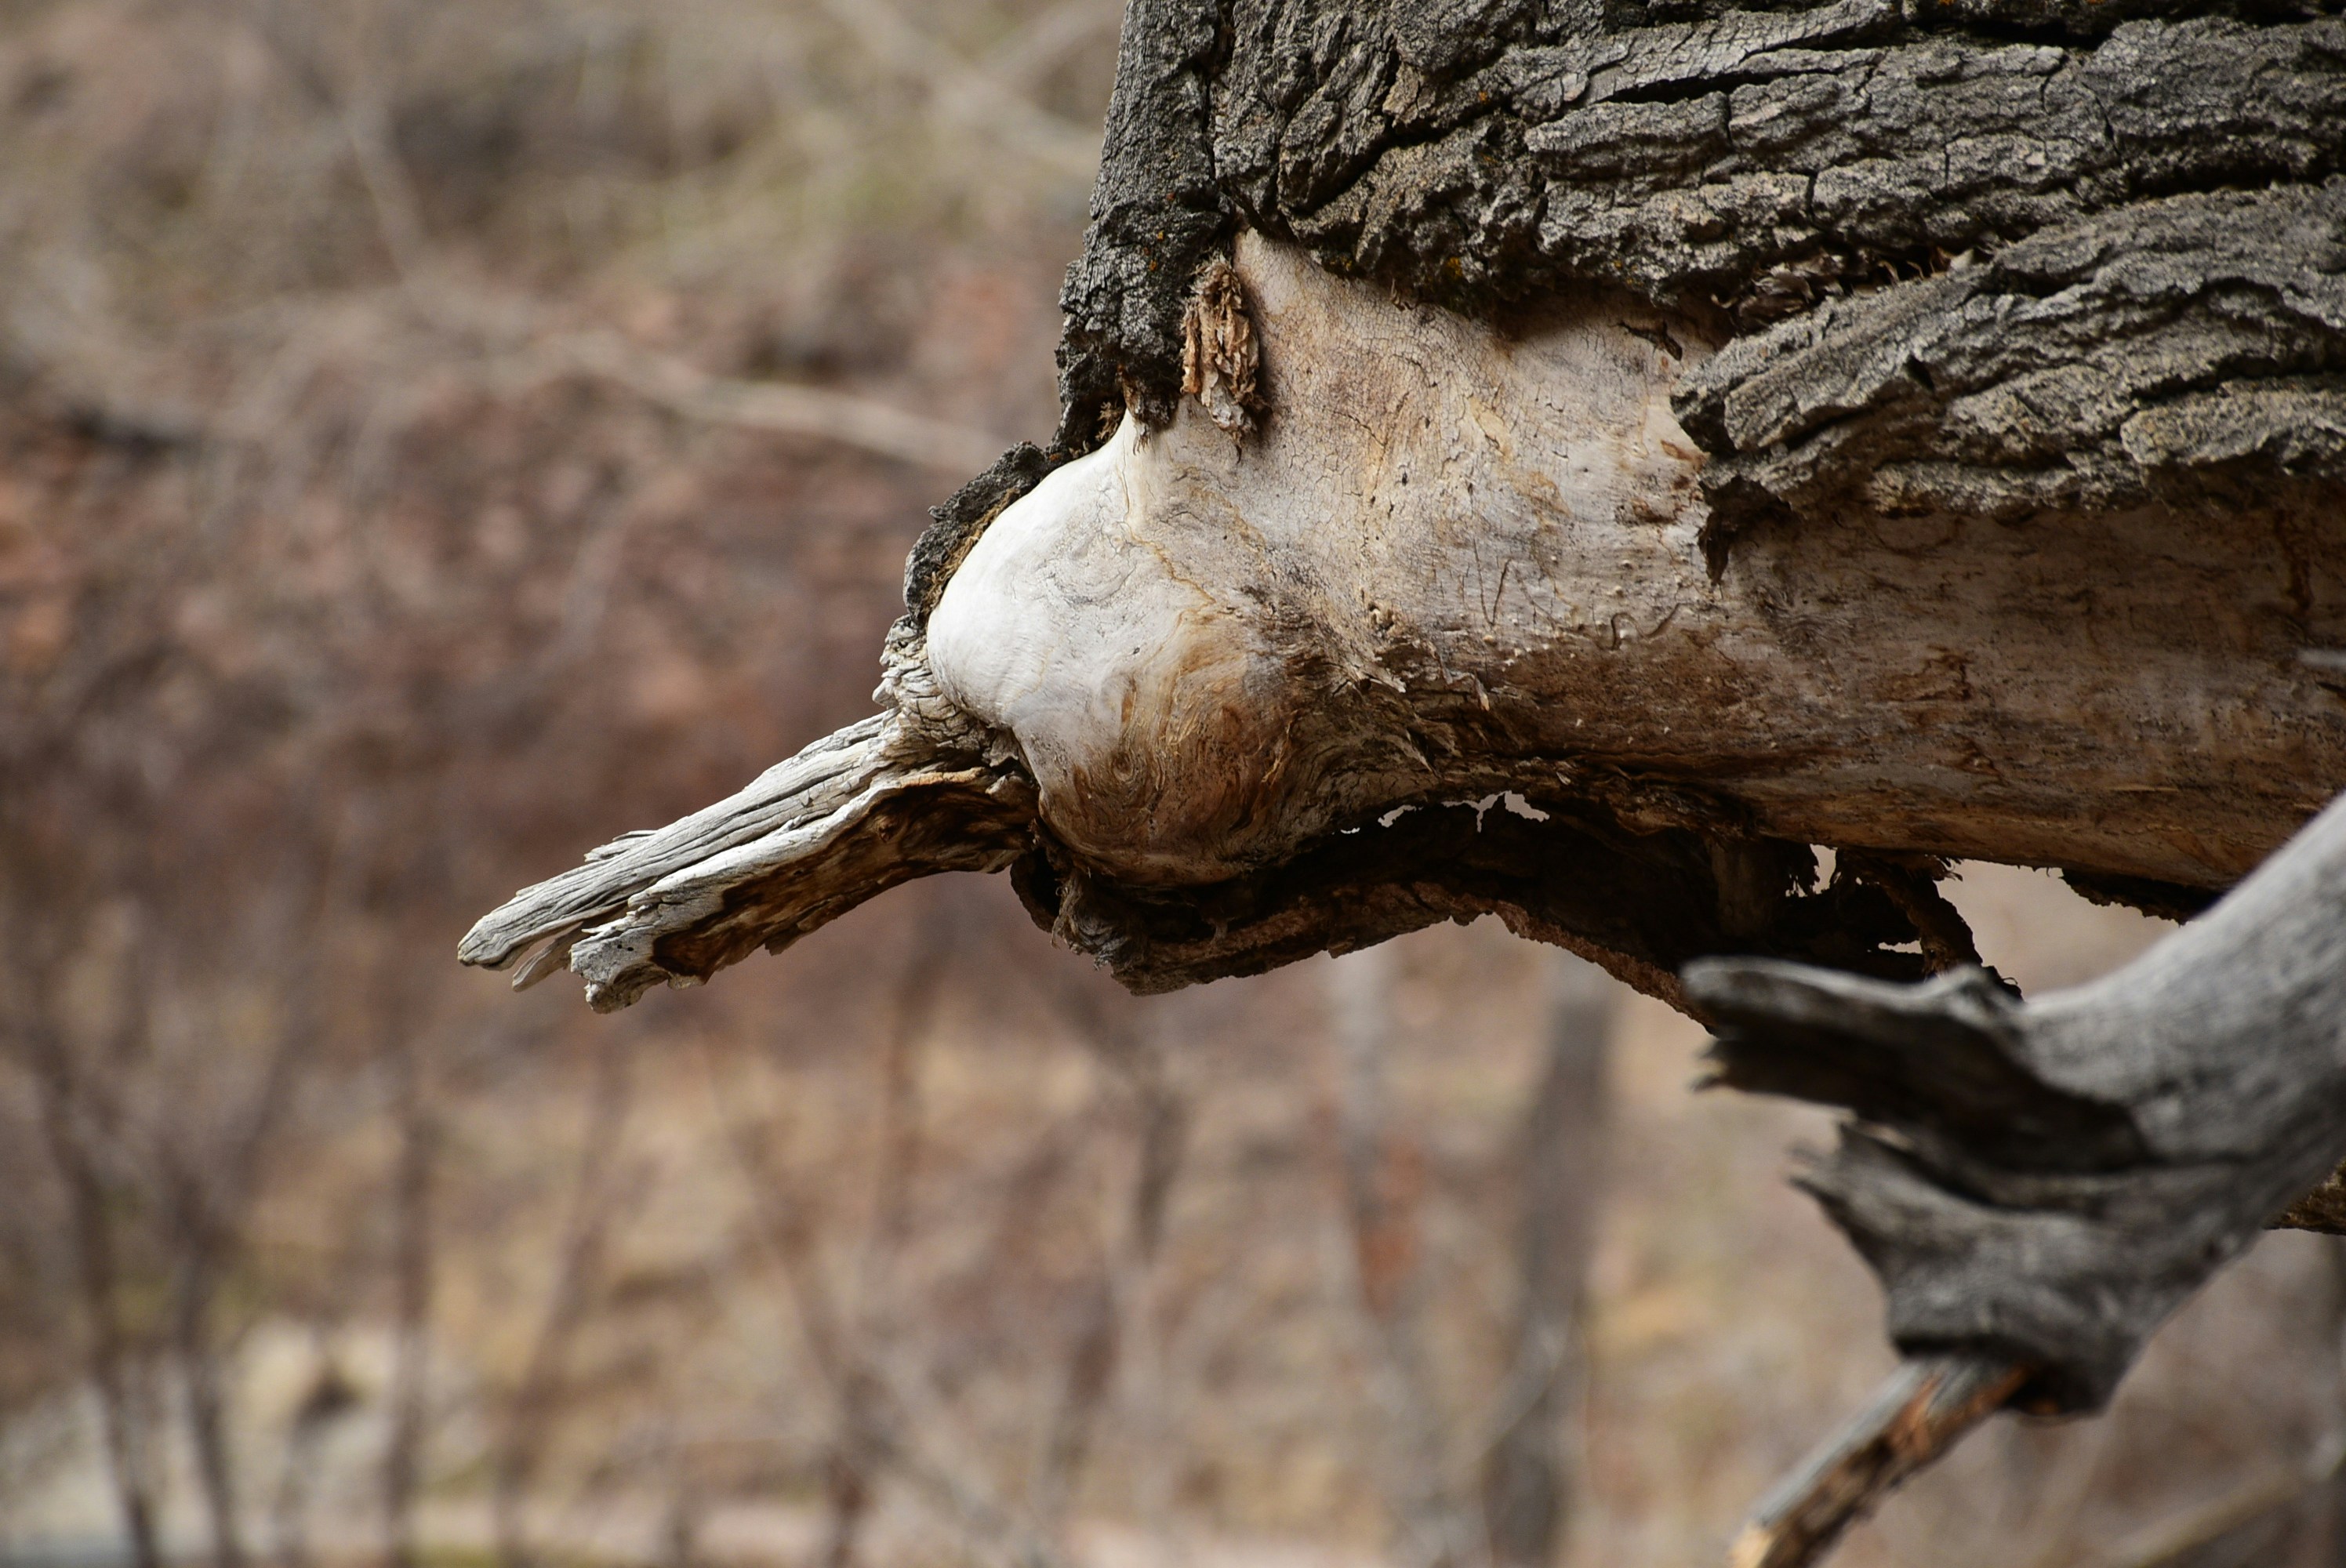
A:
212,1188
965,95
874,426
129,1438
2171,1541
1917,1415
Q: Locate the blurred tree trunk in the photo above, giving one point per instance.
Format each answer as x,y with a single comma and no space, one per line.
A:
126,1417
1527,1481
1384,1188
534,1406
212,1188
1120,1042
412,1286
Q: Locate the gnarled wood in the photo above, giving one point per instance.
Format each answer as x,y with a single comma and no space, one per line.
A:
1457,564
880,802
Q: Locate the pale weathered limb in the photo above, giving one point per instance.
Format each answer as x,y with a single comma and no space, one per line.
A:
2041,1184
1228,704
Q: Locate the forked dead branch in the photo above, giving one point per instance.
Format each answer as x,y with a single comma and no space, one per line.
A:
1517,460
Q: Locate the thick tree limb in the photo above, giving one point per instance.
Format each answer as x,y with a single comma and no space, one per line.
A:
1640,443
1231,705
1686,436
2095,297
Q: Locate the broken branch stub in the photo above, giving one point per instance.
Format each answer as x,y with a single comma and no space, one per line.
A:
1922,1410
878,803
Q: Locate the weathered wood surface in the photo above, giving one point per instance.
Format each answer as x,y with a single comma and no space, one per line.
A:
1459,564
876,804
2046,1180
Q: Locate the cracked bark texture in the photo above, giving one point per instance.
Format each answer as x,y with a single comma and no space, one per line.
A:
2033,255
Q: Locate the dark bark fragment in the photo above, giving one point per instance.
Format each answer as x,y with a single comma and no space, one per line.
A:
1156,217
1639,905
955,524
2167,900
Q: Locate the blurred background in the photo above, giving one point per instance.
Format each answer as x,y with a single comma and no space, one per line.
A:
435,438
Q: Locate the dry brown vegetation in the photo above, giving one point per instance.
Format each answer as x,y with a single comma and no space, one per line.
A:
434,437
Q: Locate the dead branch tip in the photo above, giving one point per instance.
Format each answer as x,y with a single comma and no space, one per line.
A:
1916,1416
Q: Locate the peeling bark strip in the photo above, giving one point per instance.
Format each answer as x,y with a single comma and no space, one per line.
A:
1219,363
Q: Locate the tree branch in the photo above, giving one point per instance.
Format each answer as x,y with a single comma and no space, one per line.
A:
2039,1185
1920,1412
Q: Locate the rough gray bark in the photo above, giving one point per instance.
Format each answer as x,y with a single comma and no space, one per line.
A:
2040,1185
2046,1181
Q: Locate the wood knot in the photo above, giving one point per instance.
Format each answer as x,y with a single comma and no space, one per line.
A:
1219,358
